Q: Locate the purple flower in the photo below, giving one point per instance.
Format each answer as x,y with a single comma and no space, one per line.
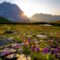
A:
5,52
33,48
54,51
53,46
29,40
57,56
58,49
16,46
46,50
37,49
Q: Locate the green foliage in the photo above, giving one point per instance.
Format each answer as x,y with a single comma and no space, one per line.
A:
26,50
47,57
0,59
40,56
18,40
36,56
4,20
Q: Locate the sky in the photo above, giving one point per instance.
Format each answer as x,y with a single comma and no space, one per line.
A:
31,7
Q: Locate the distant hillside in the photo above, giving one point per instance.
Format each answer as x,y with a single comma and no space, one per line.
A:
45,18
12,12
57,22
4,20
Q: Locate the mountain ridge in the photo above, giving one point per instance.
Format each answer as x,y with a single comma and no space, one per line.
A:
45,18
12,12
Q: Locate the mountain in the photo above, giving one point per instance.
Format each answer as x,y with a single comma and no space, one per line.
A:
45,18
12,12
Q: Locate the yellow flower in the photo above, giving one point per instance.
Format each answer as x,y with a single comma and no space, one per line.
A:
41,49
17,55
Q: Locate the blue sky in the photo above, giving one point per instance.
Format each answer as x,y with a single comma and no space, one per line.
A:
31,7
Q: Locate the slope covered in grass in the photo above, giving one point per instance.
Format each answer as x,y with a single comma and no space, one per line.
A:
4,20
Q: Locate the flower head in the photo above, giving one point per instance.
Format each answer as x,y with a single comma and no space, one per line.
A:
46,50
54,51
37,49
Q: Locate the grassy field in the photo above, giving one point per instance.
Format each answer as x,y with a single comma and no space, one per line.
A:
31,29
46,47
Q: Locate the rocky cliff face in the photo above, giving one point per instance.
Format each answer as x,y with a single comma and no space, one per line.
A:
12,12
